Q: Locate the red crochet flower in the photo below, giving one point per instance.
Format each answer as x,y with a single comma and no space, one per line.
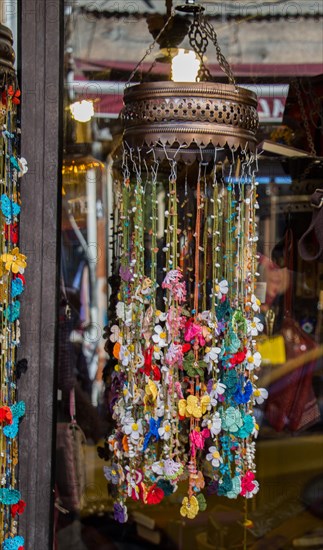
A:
238,358
12,232
18,508
5,415
186,348
14,94
155,495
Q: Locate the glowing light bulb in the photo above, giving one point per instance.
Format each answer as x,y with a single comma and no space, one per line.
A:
82,111
185,66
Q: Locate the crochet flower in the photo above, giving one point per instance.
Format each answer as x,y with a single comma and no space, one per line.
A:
190,507
5,415
235,489
198,438
249,486
159,338
17,287
134,430
172,278
124,313
115,334
14,543
23,167
9,496
221,288
18,508
213,424
174,355
172,470
120,512
179,292
193,406
242,394
165,430
214,457
217,388
253,360
260,394
193,331
14,261
231,420
255,303
212,354
255,326
247,427
112,473
155,495
10,209
124,356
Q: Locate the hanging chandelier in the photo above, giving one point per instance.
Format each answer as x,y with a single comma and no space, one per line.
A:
182,337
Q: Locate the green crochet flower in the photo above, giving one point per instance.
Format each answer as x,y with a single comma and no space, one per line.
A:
231,420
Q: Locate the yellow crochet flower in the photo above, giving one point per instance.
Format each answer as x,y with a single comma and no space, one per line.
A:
14,261
151,392
190,507
182,407
196,407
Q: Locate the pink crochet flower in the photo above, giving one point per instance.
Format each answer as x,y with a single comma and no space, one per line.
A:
198,439
193,331
247,483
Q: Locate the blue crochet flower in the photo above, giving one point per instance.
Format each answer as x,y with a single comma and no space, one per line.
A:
14,163
17,287
9,496
19,409
11,430
248,426
10,209
242,395
12,312
14,543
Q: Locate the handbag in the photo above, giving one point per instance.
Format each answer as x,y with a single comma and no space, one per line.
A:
291,402
70,462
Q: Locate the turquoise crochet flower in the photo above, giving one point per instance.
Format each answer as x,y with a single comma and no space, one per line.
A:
9,496
248,426
236,488
12,312
225,486
14,543
10,209
17,287
11,430
231,420
230,379
233,342
19,409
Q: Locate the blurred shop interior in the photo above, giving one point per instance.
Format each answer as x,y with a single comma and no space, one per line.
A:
275,49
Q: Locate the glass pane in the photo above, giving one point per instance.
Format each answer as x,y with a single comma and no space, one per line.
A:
103,43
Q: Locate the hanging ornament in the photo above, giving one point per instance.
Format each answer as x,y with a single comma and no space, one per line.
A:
183,338
12,285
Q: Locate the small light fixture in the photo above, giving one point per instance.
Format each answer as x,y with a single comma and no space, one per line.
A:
82,111
185,66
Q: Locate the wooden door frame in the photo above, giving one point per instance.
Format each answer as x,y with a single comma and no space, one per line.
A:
41,80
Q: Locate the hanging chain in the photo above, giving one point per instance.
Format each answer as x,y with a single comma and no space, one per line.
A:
199,42
305,120
209,31
150,48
